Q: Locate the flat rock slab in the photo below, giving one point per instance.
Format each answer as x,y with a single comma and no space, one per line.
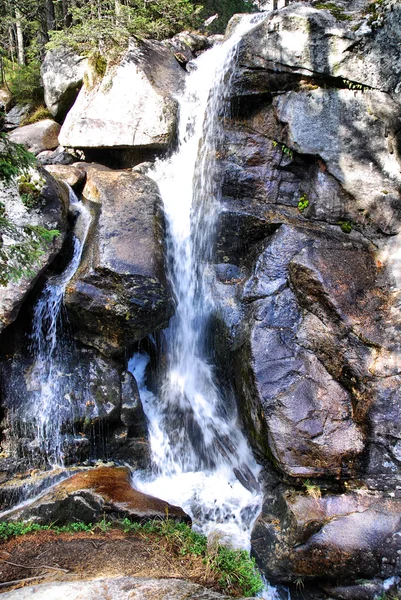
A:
121,588
96,493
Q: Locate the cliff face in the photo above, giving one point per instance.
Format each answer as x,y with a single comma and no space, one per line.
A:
307,282
311,178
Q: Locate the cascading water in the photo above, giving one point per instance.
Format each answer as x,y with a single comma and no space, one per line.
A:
48,409
201,459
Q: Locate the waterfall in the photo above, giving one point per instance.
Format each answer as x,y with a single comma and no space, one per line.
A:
201,459
48,410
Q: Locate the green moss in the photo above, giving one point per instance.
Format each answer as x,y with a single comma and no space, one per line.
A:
39,114
335,10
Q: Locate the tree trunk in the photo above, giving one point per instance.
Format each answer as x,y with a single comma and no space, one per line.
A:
20,38
50,16
67,20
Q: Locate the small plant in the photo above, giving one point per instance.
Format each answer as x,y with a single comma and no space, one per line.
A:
312,489
335,10
286,150
346,226
303,203
353,85
30,187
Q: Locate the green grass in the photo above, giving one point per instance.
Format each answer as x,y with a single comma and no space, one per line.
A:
234,570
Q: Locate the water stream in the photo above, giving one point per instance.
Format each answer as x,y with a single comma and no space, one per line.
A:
201,459
48,410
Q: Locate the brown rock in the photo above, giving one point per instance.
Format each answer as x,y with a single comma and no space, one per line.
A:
119,294
73,176
99,492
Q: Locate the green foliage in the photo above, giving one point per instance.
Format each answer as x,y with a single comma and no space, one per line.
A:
234,570
335,10
30,189
18,259
353,85
376,14
24,81
14,158
346,226
303,202
286,150
225,9
105,32
39,114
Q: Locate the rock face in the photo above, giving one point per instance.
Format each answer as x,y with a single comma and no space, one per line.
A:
119,294
37,137
121,588
62,74
91,495
51,213
308,291
131,106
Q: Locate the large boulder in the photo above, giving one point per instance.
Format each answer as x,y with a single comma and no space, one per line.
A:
119,294
330,538
93,495
131,106
37,137
62,74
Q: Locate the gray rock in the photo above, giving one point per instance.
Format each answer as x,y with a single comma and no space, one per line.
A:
333,124
120,588
132,106
15,116
37,137
59,156
62,74
119,295
74,176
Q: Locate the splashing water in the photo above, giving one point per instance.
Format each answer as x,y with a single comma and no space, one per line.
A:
48,410
201,459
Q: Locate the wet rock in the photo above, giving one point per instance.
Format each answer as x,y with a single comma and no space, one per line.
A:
132,106
51,213
99,409
132,414
93,495
73,176
62,74
119,294
339,538
121,588
37,137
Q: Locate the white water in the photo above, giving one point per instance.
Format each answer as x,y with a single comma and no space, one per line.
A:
201,459
49,411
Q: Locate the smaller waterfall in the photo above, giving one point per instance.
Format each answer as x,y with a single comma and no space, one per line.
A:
48,408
